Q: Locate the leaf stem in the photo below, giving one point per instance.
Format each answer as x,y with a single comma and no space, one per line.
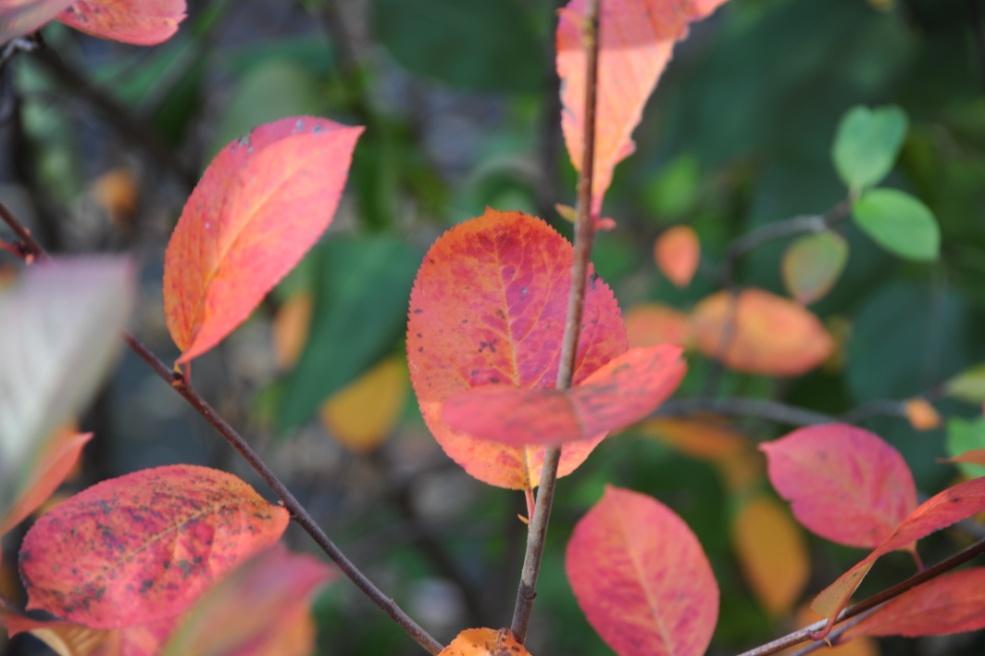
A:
584,235
33,250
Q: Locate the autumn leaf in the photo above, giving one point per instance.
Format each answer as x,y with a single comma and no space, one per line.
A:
758,332
620,393
650,324
921,414
677,253
812,264
20,17
138,22
484,642
140,548
261,204
363,414
637,38
772,553
973,457
641,577
69,639
940,511
844,483
290,328
488,307
713,441
262,607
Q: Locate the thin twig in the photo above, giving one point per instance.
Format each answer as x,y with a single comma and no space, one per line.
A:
834,639
298,512
584,234
806,633
776,411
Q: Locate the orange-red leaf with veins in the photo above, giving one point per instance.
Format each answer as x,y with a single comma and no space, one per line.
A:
488,307
261,204
843,483
140,548
484,642
940,511
641,577
761,333
56,462
951,603
139,22
618,394
637,38
677,253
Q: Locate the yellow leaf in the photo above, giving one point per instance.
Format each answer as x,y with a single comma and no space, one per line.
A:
772,553
291,329
484,642
364,413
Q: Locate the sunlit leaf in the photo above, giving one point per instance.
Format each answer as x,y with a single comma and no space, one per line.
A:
677,253
484,642
641,577
812,264
261,204
899,223
651,324
140,22
867,144
363,414
843,483
140,548
489,307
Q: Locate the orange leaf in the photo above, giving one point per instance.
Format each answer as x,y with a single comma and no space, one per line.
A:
637,37
921,414
56,462
951,603
141,547
261,204
772,553
940,511
677,253
651,324
758,332
140,22
262,607
620,393
290,328
365,412
844,483
19,17
484,642
117,193
974,457
489,306
641,577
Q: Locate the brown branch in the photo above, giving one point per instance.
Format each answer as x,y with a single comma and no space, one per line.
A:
584,234
806,633
176,381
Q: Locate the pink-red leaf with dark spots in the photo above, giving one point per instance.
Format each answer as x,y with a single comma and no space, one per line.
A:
138,22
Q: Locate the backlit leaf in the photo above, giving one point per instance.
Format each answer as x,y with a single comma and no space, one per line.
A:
261,204
867,144
964,438
140,548
19,17
812,264
651,324
140,22
637,38
843,483
677,253
759,332
484,642
364,413
488,307
899,223
641,577
772,553
618,394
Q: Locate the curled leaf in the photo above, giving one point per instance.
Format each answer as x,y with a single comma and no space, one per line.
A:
677,253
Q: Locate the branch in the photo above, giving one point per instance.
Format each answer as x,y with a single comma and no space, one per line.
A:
33,250
806,633
584,234
740,407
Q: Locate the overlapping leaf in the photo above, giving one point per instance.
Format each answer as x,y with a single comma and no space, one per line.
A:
261,204
844,483
677,253
641,577
489,306
637,38
140,548
140,22
484,642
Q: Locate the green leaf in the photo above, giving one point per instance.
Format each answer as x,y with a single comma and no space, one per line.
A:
867,144
473,44
812,264
361,290
966,435
968,386
899,223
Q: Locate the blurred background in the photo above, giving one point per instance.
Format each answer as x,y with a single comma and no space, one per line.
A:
101,143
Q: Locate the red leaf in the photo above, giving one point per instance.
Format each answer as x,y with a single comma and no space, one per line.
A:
844,483
940,511
489,306
261,204
140,548
641,577
140,22
637,37
20,17
951,603
677,253
758,332
620,393
56,462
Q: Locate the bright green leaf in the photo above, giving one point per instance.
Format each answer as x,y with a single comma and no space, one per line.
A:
867,144
966,435
899,223
812,264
